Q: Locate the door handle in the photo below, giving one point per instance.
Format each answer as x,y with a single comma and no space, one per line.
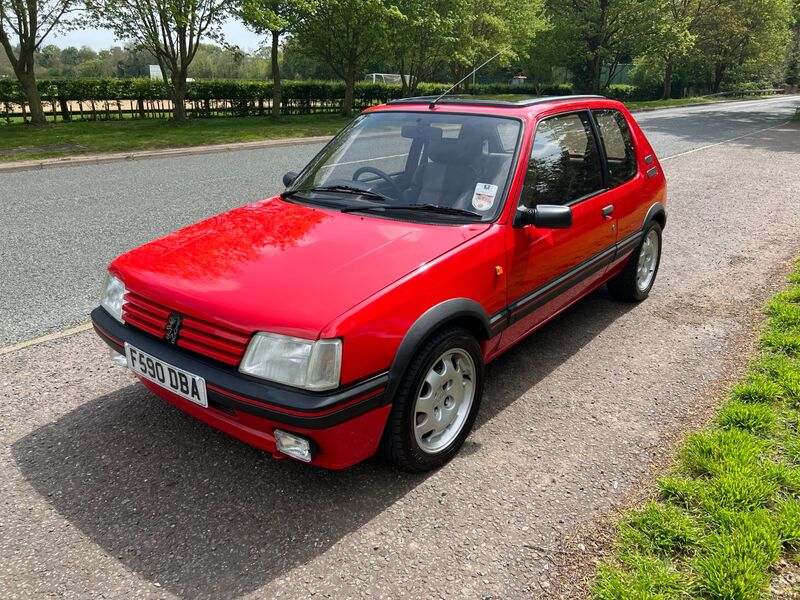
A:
608,211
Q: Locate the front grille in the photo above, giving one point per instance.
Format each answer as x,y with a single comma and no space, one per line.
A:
214,341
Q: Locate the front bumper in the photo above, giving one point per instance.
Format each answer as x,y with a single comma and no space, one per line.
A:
345,424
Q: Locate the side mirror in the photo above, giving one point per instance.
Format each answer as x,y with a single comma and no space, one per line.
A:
545,216
289,178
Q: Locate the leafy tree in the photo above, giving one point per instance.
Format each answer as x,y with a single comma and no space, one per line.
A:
743,33
345,35
421,30
594,34
485,27
24,25
170,30
274,18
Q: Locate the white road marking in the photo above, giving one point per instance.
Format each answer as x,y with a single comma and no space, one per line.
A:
46,338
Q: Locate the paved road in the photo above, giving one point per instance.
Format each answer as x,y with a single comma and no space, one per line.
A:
61,226
106,491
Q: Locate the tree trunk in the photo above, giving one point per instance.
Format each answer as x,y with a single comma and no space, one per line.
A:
667,90
349,92
719,71
277,91
28,83
179,100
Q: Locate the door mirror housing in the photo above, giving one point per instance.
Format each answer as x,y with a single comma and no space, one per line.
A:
544,216
289,178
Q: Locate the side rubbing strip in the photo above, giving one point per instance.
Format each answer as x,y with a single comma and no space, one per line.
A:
648,160
652,172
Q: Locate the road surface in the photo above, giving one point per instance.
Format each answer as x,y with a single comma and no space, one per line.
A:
61,226
106,491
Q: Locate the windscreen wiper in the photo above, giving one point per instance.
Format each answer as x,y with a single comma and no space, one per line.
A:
345,189
434,208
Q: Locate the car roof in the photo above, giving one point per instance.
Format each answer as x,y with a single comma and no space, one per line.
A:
494,102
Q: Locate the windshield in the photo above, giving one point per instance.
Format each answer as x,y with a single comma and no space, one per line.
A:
415,165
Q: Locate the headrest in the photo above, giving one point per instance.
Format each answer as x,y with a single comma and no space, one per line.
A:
448,151
421,132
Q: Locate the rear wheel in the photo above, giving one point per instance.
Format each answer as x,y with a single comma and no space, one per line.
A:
436,403
636,280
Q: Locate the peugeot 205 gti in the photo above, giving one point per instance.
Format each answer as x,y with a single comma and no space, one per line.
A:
355,312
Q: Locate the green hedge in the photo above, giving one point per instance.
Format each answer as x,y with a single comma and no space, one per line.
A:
115,98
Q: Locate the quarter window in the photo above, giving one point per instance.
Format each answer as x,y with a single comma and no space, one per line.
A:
564,164
618,145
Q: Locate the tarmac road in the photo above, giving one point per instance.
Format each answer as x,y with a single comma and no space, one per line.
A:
61,226
106,491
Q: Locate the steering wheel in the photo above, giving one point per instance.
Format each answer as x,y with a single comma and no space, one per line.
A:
361,170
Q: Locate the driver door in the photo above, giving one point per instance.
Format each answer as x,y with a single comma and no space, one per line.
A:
550,268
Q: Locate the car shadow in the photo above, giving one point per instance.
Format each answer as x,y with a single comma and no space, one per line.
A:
204,515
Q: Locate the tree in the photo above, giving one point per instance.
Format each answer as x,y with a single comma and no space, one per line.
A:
170,30
743,33
421,30
598,34
24,25
345,34
274,18
485,27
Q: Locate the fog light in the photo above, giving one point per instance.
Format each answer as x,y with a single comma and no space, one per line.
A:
293,445
119,359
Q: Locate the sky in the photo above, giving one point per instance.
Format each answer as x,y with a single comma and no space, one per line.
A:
101,39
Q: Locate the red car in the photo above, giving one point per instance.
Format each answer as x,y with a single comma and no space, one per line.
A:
355,312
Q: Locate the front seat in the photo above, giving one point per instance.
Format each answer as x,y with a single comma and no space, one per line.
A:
449,178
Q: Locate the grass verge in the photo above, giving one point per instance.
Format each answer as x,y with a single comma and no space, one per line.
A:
796,115
23,142
725,514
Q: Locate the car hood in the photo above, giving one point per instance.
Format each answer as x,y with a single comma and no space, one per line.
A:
282,267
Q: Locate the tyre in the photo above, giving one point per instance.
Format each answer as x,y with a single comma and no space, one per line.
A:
436,402
636,280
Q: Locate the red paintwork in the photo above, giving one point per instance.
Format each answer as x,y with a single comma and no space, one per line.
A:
308,272
338,447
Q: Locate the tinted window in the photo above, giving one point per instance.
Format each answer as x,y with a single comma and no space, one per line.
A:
618,144
564,164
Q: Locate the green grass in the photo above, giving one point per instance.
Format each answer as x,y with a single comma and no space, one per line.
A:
131,134
725,514
796,115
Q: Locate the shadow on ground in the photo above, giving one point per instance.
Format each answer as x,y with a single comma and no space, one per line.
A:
206,516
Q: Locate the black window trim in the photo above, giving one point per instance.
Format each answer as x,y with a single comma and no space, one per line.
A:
606,171
600,149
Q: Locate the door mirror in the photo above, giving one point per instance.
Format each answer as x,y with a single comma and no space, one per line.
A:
289,178
545,216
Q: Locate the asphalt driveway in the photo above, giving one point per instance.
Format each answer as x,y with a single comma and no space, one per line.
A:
105,491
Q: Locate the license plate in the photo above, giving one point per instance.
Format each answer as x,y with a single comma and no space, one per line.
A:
177,381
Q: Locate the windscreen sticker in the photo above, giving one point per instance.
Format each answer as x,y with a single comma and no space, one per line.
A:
483,198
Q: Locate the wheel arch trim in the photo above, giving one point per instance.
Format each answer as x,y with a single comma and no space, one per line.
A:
429,322
655,213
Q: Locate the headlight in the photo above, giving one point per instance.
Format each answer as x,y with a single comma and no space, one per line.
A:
113,296
313,365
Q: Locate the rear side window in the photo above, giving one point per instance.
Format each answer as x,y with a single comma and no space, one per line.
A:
564,164
618,144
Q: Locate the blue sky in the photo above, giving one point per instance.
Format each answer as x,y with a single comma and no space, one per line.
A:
100,39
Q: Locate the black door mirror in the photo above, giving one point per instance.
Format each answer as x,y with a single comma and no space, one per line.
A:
546,216
289,178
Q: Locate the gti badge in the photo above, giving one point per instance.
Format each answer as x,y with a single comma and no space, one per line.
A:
173,328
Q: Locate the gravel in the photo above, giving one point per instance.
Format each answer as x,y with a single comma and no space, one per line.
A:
62,225
106,491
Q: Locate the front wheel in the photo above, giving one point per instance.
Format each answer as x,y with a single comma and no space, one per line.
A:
635,281
436,403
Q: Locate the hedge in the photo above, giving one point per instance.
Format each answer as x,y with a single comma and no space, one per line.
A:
145,98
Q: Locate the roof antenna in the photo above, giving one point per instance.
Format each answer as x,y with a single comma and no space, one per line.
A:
458,83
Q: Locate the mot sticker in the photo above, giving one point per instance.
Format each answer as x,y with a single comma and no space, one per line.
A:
483,198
